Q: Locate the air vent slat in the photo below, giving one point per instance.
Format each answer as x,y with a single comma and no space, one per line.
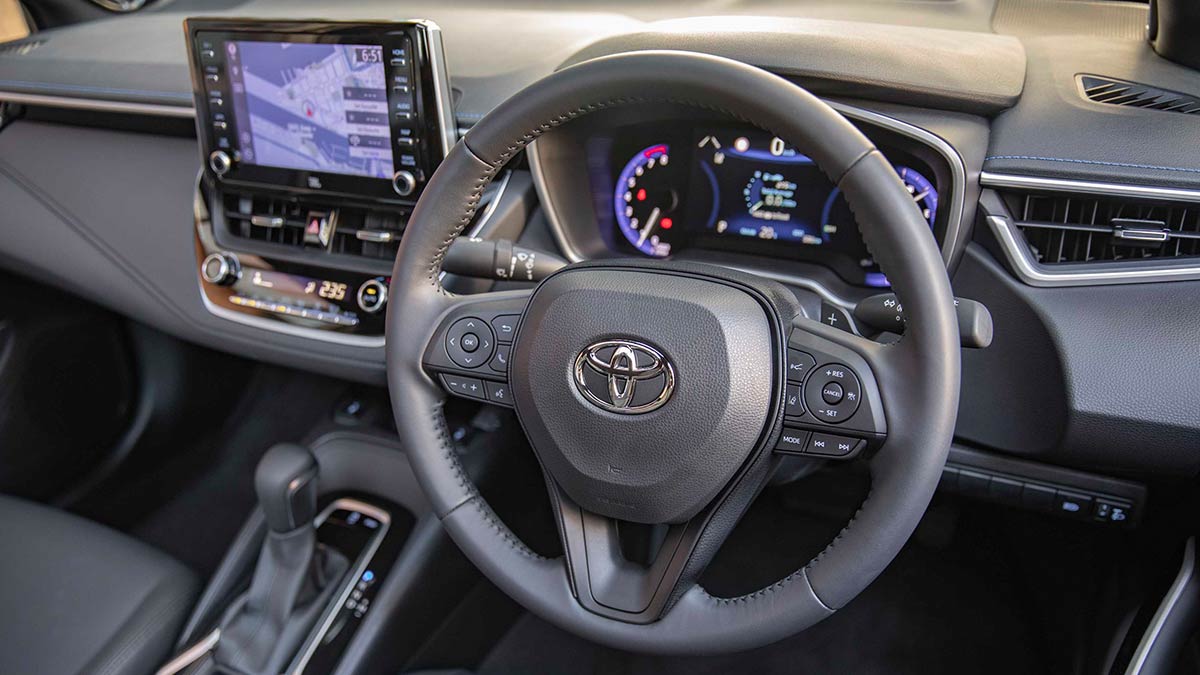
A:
1132,94
282,222
1062,228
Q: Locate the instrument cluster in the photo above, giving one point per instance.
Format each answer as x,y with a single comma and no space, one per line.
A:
659,190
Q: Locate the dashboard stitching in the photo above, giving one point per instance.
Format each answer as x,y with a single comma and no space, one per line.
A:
1125,165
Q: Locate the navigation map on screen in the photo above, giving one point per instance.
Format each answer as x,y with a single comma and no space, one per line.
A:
312,107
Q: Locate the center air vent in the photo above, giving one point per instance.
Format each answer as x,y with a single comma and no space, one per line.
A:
1066,228
1134,95
344,230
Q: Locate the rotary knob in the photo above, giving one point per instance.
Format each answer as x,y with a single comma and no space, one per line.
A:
220,162
221,269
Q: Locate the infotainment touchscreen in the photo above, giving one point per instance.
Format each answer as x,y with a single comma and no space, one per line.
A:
356,109
312,107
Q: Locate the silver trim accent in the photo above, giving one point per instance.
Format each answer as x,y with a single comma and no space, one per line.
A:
383,295
203,647
1163,613
1012,181
477,232
385,522
266,221
442,93
958,175
374,236
403,183
99,105
1140,235
1012,242
220,162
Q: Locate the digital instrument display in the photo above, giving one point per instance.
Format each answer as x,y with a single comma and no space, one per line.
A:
736,184
312,107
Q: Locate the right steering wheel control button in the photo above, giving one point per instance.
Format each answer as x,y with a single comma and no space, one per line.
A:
832,393
499,362
469,342
798,365
468,387
828,445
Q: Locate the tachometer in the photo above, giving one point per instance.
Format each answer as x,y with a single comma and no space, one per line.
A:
646,199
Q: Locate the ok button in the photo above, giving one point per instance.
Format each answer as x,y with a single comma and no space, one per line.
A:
470,342
832,393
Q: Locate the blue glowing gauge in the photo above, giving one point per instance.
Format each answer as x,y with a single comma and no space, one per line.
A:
645,200
920,187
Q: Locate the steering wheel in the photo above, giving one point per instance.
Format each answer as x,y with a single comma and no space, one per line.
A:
657,392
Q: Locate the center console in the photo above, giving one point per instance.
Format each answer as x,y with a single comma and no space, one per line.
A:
317,139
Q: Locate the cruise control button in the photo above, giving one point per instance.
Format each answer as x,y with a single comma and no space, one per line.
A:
792,441
829,445
505,326
469,387
497,392
832,393
798,365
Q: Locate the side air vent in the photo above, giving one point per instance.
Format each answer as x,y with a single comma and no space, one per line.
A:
1067,228
1134,95
316,228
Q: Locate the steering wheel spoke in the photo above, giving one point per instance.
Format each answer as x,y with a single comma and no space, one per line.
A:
469,352
833,401
625,571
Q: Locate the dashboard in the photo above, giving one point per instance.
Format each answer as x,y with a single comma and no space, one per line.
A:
106,180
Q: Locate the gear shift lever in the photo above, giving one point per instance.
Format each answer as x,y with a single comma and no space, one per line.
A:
286,483
294,578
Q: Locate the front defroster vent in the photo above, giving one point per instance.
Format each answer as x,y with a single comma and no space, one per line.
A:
1065,228
1134,95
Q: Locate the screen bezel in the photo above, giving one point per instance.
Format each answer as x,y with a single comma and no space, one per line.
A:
430,145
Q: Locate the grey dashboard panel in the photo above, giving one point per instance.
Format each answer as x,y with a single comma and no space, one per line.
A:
1102,377
1055,132
108,215
493,50
955,70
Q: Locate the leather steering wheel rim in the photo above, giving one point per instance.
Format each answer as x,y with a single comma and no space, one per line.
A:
921,371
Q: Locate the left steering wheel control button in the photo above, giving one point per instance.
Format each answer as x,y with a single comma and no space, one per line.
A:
505,326
499,362
798,365
497,392
832,393
792,441
468,387
828,445
469,342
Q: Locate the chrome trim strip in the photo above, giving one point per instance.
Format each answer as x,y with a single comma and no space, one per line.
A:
1035,274
99,105
442,94
1163,613
958,174
192,654
1012,181
364,559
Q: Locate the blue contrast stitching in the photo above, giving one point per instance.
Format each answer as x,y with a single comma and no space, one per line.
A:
1086,161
